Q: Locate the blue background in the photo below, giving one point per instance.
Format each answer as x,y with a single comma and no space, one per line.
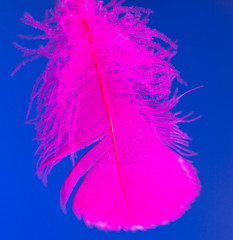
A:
204,30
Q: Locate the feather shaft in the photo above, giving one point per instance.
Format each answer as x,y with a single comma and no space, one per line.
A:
103,90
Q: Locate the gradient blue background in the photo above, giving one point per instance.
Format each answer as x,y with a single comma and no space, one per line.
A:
204,30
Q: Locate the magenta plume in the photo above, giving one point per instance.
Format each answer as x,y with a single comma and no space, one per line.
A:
107,85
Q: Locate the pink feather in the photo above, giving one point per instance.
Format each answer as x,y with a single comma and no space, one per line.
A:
108,83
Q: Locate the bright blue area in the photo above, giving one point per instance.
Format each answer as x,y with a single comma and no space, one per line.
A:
204,30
